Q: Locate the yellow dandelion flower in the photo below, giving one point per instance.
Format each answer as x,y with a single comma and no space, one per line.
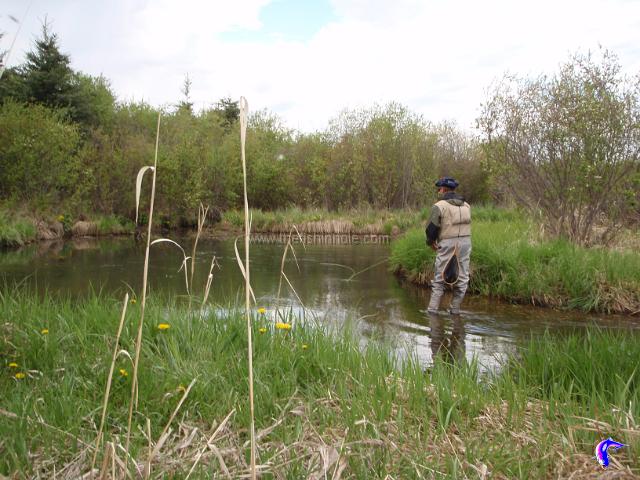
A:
163,326
13,365
44,331
305,346
262,330
181,388
132,301
262,311
61,218
283,326
124,373
19,375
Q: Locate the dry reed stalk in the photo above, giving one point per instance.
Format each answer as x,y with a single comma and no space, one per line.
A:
136,362
109,379
5,57
243,136
185,259
208,285
242,270
164,435
211,439
284,257
202,215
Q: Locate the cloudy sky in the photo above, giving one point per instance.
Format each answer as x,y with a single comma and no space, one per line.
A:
306,60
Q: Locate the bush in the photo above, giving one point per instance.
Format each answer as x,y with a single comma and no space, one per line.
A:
569,145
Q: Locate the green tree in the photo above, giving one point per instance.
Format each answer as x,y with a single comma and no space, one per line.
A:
230,110
38,147
92,102
47,74
186,105
569,144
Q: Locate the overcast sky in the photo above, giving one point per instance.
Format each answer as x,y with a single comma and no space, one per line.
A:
308,60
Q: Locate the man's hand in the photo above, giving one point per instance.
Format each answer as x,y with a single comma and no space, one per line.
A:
434,246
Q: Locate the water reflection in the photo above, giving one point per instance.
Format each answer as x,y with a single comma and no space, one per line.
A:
451,347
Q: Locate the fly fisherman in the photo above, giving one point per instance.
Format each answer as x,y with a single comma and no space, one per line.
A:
449,227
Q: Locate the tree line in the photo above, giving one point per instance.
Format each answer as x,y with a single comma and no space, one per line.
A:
564,146
65,139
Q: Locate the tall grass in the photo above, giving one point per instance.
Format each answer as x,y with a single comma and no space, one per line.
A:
114,225
15,232
365,220
510,260
325,402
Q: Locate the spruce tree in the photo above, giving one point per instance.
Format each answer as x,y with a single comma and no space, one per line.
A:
47,75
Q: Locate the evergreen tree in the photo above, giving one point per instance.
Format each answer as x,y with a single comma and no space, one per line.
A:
186,105
229,109
47,75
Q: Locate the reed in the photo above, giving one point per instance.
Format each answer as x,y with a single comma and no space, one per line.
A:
244,107
202,215
136,360
109,380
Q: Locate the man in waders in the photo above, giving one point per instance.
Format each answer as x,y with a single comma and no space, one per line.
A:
449,231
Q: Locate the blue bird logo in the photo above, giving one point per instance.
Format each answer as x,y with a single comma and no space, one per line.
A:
602,454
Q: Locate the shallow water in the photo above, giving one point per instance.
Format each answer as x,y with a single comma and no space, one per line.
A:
334,283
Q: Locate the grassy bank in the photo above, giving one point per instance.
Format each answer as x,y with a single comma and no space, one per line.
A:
19,228
323,405
365,221
15,231
511,260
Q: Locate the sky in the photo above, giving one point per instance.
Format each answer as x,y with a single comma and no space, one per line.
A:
307,60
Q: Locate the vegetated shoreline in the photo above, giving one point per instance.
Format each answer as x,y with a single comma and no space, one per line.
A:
509,261
323,404
17,229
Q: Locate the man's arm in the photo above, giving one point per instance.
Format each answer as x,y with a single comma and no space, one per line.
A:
433,227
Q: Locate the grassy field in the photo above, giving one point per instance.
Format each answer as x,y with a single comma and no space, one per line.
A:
324,405
512,260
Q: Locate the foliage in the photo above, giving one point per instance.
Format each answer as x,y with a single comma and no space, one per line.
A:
15,232
569,145
38,147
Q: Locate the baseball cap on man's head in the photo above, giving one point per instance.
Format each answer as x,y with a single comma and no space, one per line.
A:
447,182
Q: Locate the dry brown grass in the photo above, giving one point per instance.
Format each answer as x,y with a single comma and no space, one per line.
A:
331,452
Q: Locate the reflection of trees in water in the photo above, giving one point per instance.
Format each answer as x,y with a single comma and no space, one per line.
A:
451,347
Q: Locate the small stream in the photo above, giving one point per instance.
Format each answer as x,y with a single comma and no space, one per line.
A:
334,283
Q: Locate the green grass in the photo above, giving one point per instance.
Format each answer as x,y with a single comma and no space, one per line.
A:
312,387
383,220
114,225
15,232
509,260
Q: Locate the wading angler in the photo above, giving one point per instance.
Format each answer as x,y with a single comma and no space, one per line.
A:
449,234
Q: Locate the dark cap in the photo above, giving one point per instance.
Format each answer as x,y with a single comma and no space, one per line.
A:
447,182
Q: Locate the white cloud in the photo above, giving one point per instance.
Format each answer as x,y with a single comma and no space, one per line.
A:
435,56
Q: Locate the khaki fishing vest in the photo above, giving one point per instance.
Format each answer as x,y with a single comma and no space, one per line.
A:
454,221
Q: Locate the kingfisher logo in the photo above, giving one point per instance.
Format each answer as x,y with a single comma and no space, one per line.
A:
602,454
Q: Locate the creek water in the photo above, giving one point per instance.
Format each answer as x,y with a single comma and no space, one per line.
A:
334,284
